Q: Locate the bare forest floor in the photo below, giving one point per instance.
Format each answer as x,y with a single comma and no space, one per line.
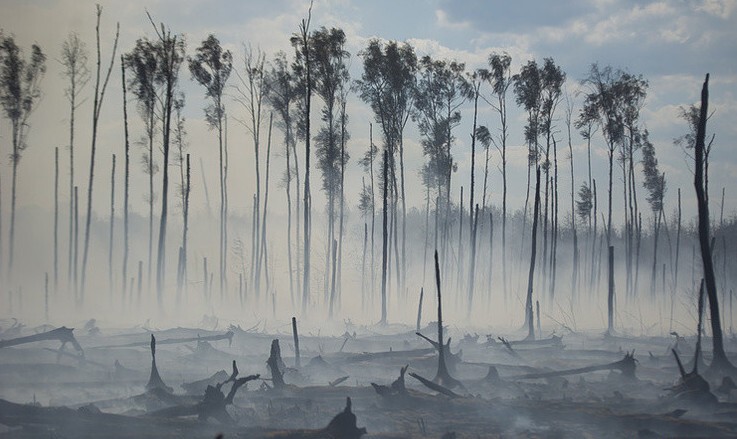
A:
47,394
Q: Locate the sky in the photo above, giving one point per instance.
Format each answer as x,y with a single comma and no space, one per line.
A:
672,44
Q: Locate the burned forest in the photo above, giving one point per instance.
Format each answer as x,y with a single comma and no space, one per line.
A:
340,219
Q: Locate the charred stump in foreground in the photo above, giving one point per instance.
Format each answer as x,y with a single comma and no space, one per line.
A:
442,377
275,365
213,402
397,388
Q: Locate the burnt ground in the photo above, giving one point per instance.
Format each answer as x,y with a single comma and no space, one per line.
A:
45,394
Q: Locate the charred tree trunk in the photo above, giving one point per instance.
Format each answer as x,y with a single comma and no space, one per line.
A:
419,309
112,229
56,218
443,376
264,251
297,362
720,361
610,295
531,274
384,244
472,263
96,108
126,179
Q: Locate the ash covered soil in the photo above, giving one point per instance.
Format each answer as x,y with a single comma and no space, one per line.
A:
236,381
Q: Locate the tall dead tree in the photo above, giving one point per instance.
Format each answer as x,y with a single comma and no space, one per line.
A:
126,180
19,93
472,262
385,206
303,71
720,362
282,94
171,55
56,219
211,67
99,97
264,255
74,57
112,229
501,78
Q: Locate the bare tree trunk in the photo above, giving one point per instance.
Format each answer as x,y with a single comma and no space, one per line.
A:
342,205
383,320
185,228
264,252
427,233
288,188
332,283
97,107
531,274
126,182
678,245
592,281
491,254
610,295
472,263
254,239
459,281
307,197
56,220
363,268
112,229
554,250
574,273
720,361
76,246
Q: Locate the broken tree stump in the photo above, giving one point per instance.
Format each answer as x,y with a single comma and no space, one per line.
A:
397,388
442,377
154,381
343,425
213,402
691,387
275,365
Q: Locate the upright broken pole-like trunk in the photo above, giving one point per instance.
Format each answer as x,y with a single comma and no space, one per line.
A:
297,362
472,263
720,361
610,295
96,109
531,274
384,237
419,309
126,179
56,218
443,376
112,230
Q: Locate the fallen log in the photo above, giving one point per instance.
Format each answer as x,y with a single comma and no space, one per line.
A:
64,335
626,366
436,387
227,336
